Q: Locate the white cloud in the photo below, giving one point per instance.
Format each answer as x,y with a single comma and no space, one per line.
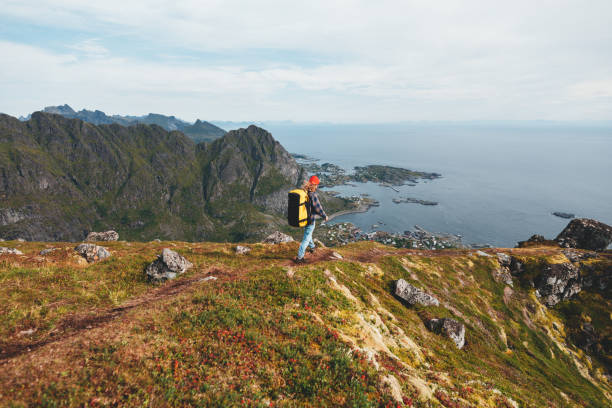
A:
400,59
90,48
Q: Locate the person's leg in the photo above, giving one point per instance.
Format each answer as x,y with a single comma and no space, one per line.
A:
305,240
311,244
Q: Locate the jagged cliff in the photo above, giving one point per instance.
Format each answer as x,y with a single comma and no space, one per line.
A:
61,178
364,326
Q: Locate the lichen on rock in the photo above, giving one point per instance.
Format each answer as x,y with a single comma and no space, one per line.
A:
168,265
450,328
414,295
92,252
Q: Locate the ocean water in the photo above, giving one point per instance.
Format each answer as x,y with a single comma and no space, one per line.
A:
501,181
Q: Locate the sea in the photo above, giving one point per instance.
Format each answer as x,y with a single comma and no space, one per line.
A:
501,181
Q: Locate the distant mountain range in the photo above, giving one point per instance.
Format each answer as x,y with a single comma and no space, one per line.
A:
200,131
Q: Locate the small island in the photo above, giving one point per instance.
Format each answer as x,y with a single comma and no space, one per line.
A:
333,175
414,201
396,176
565,215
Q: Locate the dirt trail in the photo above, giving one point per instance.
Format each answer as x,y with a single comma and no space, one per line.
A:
73,325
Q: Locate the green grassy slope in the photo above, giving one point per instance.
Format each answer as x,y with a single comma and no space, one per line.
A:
266,333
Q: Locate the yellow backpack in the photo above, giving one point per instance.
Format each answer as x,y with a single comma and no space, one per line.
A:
298,210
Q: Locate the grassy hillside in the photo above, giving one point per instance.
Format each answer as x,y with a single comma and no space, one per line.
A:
267,333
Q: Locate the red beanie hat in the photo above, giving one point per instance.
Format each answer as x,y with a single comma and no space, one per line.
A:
314,180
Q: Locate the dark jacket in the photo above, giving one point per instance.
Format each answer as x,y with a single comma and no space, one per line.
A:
315,207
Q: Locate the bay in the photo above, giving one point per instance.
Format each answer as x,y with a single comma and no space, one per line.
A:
501,181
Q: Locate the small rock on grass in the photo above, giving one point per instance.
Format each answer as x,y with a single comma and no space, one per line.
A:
414,295
167,266
13,251
277,238
450,328
92,252
336,255
241,250
482,253
47,251
102,236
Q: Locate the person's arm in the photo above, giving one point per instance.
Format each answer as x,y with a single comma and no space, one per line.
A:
316,206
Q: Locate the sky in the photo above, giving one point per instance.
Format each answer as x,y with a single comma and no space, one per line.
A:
332,61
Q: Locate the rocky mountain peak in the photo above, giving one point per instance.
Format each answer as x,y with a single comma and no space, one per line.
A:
64,109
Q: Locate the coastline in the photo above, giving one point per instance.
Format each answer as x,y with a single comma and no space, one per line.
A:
360,209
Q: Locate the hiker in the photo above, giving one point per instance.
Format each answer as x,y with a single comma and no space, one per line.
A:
315,209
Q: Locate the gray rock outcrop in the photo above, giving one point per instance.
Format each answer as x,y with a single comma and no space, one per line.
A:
277,238
167,266
12,216
102,236
13,251
450,328
585,233
92,252
577,256
413,295
557,282
47,251
502,274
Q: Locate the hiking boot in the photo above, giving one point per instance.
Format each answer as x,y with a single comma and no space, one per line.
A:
310,250
299,261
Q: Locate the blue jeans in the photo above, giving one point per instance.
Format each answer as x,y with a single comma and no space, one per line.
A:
307,240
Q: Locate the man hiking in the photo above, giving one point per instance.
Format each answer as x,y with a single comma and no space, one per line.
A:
315,209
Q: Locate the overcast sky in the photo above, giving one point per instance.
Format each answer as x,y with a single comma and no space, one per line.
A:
315,60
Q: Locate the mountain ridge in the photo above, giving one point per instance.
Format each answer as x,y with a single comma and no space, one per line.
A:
199,131
61,178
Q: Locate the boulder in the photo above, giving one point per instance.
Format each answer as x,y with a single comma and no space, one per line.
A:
92,252
241,250
557,282
102,236
449,328
502,274
47,251
413,295
168,265
504,259
13,251
585,233
277,238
